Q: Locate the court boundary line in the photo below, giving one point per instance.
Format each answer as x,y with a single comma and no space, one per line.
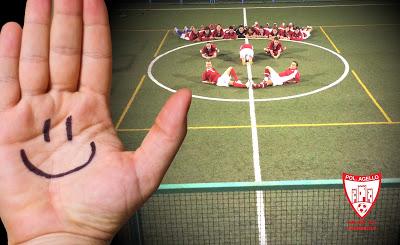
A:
258,7
161,44
138,87
361,83
376,103
130,101
329,39
293,125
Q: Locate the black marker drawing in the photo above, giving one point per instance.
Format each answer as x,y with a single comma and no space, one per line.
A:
46,131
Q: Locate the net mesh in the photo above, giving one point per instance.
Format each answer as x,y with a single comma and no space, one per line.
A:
309,216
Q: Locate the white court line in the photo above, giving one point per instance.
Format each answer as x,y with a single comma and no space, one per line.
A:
262,238
262,7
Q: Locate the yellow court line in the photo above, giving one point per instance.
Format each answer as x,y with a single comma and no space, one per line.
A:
297,125
128,105
161,44
371,97
329,39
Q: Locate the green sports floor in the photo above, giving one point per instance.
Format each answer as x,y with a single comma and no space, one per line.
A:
351,127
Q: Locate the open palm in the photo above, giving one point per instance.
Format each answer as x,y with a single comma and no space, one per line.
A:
63,171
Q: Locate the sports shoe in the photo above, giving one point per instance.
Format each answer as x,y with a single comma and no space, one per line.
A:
176,30
248,84
238,81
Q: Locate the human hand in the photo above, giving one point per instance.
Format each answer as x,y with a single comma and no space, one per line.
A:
65,177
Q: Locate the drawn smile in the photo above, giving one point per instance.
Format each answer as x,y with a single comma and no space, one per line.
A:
46,129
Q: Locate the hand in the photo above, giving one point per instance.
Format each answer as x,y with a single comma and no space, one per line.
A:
54,84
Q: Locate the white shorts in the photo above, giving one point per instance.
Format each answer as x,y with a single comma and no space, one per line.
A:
306,34
278,80
246,51
223,81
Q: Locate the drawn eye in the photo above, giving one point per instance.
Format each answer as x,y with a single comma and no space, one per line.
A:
47,126
46,134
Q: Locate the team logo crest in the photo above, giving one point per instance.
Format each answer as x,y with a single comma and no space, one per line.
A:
362,191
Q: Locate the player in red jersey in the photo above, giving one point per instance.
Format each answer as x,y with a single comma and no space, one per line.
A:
286,33
230,33
274,48
289,76
209,51
206,34
218,32
273,33
246,53
228,78
194,35
297,35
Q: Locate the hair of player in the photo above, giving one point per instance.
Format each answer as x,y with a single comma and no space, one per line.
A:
297,63
276,38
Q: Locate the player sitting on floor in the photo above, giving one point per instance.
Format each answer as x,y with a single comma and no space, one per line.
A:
274,48
272,78
246,53
228,78
209,51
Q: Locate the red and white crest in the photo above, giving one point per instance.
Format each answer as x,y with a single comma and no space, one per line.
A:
362,191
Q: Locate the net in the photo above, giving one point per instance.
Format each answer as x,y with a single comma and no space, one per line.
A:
296,212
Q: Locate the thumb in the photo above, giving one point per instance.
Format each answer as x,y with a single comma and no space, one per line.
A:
161,144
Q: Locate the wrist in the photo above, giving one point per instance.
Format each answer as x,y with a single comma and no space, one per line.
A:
64,239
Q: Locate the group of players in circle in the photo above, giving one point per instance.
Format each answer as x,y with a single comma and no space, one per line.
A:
274,48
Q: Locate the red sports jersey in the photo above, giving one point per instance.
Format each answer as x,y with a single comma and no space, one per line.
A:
296,36
246,45
274,48
288,72
194,36
210,52
210,75
230,35
219,33
285,73
266,32
205,36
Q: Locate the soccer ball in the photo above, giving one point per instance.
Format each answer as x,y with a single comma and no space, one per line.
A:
362,207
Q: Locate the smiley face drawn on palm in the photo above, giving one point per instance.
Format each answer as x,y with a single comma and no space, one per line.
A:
46,130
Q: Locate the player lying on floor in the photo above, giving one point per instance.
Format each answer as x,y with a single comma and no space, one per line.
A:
209,51
216,31
289,76
228,78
